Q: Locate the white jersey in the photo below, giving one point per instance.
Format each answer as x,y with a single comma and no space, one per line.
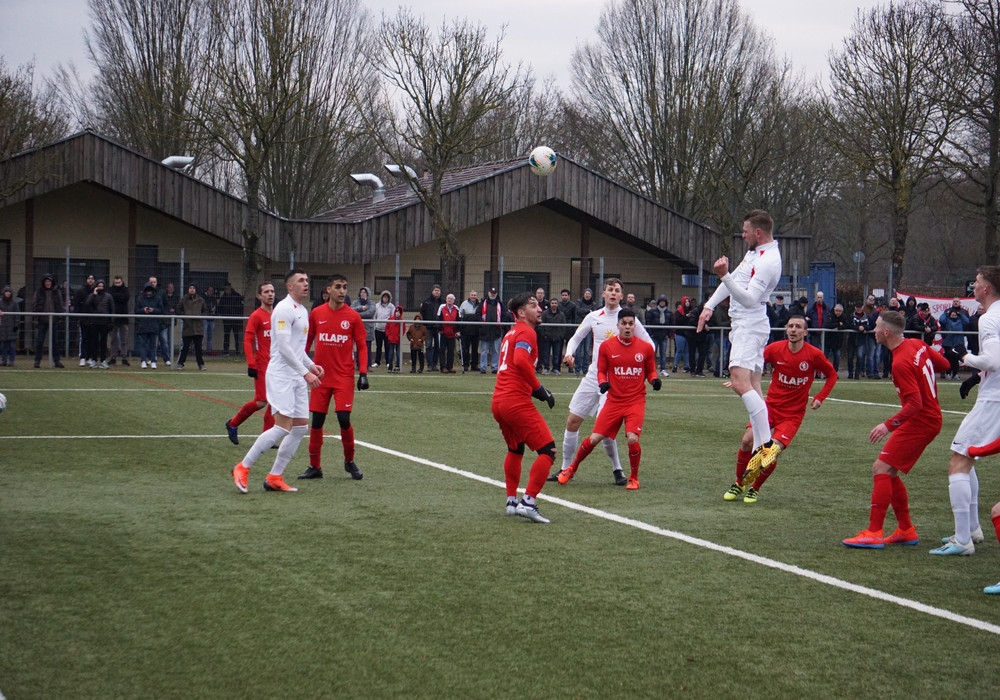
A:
749,286
603,324
289,331
989,334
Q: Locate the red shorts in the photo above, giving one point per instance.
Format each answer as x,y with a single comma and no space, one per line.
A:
342,394
906,444
783,428
609,420
522,423
260,386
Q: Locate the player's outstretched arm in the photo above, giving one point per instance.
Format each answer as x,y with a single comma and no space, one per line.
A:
543,394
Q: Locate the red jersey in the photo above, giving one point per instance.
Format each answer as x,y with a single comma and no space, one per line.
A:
626,366
446,314
337,333
914,371
257,340
516,369
788,393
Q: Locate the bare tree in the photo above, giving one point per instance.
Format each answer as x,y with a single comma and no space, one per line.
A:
442,90
690,90
28,119
886,111
147,55
532,117
974,87
267,106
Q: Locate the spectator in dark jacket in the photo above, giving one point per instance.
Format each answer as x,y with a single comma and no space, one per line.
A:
682,337
119,330
584,305
99,308
429,312
857,341
48,300
955,321
230,304
550,337
9,324
923,325
816,315
779,318
469,310
193,330
147,328
491,313
839,326
660,315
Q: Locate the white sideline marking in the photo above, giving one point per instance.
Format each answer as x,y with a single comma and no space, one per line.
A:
889,405
107,437
756,559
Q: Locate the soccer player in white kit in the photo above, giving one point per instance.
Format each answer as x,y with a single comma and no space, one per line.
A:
587,399
981,425
749,287
290,374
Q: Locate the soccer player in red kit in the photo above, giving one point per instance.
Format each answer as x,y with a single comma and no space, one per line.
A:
519,420
257,348
914,368
795,365
337,330
624,364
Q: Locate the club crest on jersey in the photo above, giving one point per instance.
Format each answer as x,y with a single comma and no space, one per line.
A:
639,357
281,325
609,334
804,366
345,324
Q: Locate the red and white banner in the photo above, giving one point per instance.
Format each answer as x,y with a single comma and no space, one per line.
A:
937,304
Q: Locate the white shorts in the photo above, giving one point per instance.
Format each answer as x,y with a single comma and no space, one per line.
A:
587,399
747,349
981,426
287,396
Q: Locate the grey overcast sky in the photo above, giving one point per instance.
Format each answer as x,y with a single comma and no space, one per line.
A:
540,32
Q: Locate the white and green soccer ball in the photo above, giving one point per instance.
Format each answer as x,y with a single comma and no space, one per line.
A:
542,160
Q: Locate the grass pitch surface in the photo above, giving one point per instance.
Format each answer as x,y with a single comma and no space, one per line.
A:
131,567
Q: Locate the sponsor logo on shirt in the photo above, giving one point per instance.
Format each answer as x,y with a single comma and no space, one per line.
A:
628,371
337,338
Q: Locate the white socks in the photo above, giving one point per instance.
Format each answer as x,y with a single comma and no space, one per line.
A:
611,447
570,442
758,417
974,502
288,447
960,491
262,444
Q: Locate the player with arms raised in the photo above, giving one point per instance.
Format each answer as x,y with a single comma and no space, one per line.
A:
587,398
257,348
624,365
337,330
795,365
519,420
914,368
749,287
290,374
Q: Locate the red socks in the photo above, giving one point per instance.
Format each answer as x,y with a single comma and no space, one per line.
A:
996,526
268,418
901,504
538,474
881,498
512,473
742,460
763,477
347,437
634,455
586,447
246,410
315,447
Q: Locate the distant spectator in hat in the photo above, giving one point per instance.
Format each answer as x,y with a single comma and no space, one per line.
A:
194,329
857,341
492,314
779,318
48,300
923,325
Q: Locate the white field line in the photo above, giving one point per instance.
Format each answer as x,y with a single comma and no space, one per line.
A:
756,559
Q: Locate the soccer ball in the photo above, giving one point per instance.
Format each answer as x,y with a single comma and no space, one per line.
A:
3,403
542,160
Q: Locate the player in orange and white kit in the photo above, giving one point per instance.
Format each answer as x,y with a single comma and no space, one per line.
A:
257,347
624,364
914,368
337,330
519,420
795,365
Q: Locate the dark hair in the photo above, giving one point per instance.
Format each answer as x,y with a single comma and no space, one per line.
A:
800,317
625,312
260,287
292,273
759,218
337,278
613,280
564,291
520,301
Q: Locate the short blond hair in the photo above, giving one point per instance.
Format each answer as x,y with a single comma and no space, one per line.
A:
894,320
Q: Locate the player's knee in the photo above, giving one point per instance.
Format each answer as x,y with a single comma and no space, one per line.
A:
573,422
318,420
995,511
548,450
344,418
519,450
632,438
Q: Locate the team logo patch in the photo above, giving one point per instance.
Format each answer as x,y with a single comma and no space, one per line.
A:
281,326
803,366
345,324
639,357
609,334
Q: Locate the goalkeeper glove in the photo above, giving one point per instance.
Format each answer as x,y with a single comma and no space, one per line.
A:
604,386
657,384
362,382
967,385
251,372
543,394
